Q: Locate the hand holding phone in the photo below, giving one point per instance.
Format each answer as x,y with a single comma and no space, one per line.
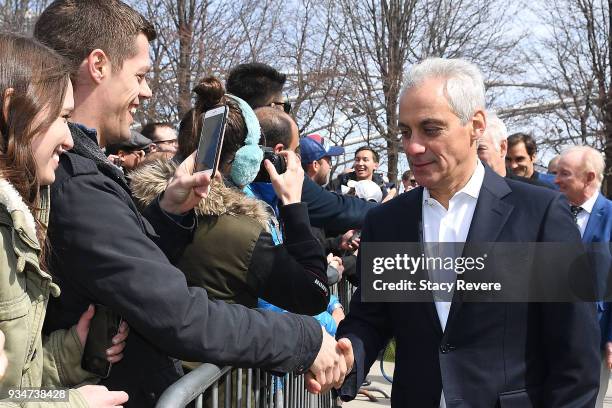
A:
102,328
211,140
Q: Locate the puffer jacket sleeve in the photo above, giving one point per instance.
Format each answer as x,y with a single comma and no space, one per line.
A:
62,360
75,400
293,275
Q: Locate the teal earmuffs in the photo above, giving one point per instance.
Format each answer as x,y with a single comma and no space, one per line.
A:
247,161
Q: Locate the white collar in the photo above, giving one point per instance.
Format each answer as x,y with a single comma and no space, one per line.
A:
472,187
590,203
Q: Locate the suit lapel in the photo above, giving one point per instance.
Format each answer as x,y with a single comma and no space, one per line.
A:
597,215
409,222
490,216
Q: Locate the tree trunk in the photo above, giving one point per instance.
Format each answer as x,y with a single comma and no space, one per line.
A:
185,32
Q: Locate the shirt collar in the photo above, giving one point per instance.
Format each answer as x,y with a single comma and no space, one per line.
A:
472,188
590,203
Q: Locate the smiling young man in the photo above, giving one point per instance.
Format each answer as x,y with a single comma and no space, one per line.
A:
366,162
521,157
105,251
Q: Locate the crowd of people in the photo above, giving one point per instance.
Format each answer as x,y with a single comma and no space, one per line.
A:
100,215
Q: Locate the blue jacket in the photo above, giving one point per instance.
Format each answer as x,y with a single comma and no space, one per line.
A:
336,212
548,179
599,229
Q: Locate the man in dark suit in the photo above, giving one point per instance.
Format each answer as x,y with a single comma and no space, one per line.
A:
467,354
579,176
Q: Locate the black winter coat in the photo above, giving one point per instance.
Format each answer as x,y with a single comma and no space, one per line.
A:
104,251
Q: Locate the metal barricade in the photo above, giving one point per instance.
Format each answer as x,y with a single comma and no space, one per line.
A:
250,388
344,290
262,390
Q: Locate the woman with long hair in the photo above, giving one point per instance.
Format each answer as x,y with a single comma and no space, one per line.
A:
35,104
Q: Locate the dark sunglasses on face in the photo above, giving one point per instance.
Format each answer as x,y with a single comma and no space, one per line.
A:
286,105
413,182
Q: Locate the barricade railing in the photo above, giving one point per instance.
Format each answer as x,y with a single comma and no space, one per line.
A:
250,388
207,384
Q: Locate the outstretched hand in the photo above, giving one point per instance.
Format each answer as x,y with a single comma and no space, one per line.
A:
330,371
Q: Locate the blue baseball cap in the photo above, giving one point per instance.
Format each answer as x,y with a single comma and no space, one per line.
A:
314,147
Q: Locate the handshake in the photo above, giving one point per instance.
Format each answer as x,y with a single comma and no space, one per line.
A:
333,362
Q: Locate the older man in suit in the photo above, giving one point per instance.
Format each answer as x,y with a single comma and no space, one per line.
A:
469,354
579,176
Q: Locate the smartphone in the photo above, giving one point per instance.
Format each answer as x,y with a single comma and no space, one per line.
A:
211,140
102,328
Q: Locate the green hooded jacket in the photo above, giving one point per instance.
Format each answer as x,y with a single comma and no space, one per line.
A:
34,360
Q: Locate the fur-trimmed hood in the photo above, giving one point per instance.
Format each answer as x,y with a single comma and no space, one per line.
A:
151,179
13,202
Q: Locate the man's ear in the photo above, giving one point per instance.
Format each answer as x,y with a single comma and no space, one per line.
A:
503,148
6,101
98,65
590,177
152,148
279,148
479,124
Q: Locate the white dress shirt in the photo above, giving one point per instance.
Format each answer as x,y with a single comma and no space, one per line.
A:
582,219
452,225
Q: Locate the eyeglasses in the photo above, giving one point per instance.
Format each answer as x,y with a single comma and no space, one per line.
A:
285,104
171,141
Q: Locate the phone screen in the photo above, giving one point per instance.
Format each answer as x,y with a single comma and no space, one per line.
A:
211,139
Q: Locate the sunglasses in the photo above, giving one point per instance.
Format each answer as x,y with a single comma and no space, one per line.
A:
172,141
286,105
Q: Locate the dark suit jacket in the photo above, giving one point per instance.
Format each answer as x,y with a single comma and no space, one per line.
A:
491,354
599,230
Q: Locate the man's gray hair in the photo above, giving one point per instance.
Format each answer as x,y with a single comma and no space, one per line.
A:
496,129
591,160
464,86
